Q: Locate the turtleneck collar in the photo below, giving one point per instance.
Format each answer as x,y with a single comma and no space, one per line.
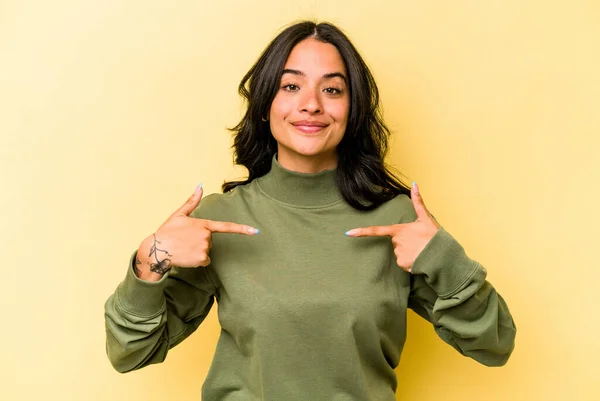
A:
300,189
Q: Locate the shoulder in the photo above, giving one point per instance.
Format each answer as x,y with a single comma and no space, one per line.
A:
212,205
217,206
400,209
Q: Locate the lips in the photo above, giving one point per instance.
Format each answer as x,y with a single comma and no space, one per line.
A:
309,126
309,123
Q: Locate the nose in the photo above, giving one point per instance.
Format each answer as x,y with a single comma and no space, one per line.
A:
310,102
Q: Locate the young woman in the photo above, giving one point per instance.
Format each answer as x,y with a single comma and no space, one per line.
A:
312,306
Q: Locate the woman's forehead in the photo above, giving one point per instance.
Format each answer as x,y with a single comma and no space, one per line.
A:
312,56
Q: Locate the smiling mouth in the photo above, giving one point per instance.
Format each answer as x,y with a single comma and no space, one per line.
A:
309,127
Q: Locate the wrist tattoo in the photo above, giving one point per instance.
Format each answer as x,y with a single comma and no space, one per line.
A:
162,265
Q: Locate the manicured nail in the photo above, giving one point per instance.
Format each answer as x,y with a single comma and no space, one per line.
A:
198,188
416,187
349,233
253,230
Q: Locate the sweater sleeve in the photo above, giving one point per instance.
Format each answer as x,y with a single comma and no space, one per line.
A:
143,320
450,290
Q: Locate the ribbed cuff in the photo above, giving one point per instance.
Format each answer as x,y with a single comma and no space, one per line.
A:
445,265
140,297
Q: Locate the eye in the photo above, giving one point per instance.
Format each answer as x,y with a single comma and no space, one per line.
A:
333,91
290,87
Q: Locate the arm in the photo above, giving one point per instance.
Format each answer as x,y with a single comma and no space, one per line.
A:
145,319
449,290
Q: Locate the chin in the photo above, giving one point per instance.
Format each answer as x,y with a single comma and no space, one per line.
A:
311,146
311,152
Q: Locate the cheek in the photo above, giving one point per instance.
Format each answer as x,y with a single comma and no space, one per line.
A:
280,108
340,111
278,113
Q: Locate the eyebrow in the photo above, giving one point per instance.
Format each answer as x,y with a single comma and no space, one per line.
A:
326,76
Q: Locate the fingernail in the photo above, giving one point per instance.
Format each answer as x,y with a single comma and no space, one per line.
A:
198,188
349,233
416,187
253,230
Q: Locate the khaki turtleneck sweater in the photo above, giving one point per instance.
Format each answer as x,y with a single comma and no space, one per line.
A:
307,313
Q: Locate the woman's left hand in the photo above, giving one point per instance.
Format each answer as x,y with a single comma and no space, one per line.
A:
409,239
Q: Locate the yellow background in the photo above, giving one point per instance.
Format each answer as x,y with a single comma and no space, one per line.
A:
112,111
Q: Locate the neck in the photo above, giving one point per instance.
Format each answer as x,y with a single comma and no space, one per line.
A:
307,164
300,189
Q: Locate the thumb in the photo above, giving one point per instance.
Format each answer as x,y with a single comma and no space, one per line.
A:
192,202
418,203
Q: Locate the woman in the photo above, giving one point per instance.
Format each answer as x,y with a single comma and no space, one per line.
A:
312,307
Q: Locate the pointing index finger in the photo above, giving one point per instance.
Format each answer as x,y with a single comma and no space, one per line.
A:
228,227
373,231
192,202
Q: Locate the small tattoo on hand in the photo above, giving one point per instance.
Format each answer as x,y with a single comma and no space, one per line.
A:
161,266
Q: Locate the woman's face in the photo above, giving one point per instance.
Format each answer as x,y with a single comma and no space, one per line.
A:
309,113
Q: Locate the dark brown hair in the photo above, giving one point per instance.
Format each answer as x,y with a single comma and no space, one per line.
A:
363,179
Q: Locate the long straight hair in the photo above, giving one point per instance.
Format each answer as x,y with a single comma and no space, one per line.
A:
362,177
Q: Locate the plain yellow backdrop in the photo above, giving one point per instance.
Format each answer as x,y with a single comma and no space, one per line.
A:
111,112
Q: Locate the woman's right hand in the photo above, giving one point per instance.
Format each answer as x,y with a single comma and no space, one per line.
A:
182,241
